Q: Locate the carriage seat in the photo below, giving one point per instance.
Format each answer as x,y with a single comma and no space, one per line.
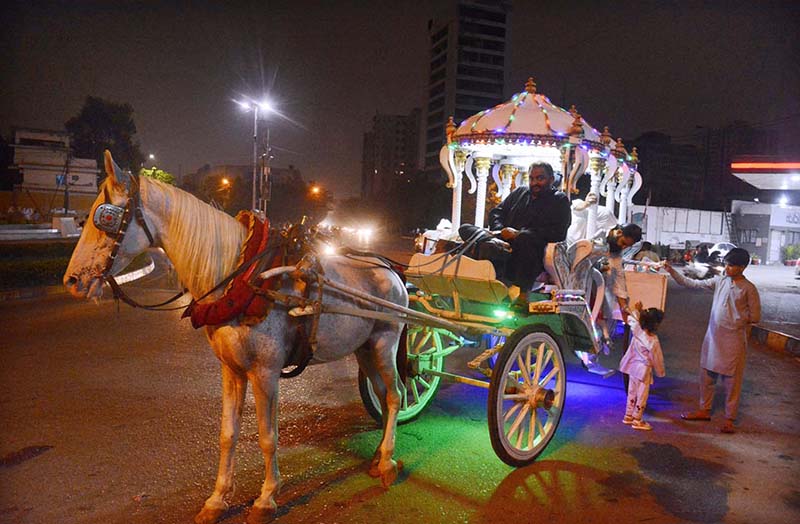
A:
447,275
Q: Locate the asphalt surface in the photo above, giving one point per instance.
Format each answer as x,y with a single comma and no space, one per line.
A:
112,416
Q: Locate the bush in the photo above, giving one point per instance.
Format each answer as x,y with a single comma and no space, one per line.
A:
36,250
30,273
34,264
790,252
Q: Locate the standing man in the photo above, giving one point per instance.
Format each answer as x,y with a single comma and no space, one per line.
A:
527,220
618,239
735,308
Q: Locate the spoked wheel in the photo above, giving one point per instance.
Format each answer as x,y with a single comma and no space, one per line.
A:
526,395
425,352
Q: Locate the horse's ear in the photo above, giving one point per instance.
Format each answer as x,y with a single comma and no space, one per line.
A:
115,173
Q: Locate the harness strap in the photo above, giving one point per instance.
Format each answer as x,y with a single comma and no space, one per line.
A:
119,294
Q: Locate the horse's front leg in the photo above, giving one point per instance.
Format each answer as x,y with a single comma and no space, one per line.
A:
265,391
234,387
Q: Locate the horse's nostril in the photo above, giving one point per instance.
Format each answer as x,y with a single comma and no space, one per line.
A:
71,281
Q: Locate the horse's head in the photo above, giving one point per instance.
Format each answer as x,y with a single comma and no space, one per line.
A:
111,237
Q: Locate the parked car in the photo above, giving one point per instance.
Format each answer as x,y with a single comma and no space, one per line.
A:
721,248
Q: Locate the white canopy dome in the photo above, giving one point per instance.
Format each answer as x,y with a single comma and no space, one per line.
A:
529,118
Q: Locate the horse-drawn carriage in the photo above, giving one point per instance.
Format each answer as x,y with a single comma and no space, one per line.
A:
358,305
522,365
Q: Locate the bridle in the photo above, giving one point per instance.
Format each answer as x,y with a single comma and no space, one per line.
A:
114,220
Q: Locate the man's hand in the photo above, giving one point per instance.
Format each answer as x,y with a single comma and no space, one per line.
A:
623,309
638,306
508,233
591,198
499,244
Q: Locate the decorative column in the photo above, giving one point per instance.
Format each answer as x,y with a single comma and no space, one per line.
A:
598,166
624,179
576,167
459,159
565,167
622,218
526,176
482,166
507,172
456,172
611,188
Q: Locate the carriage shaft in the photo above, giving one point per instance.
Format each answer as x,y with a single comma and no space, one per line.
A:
458,378
411,315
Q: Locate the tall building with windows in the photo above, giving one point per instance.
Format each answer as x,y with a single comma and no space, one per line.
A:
390,150
469,66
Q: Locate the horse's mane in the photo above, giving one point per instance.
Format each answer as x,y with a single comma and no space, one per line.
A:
204,242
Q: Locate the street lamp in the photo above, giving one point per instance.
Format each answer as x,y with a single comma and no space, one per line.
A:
255,107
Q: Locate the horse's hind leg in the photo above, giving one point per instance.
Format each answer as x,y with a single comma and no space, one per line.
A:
234,387
265,391
377,360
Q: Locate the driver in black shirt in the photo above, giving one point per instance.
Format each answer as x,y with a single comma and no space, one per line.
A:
525,222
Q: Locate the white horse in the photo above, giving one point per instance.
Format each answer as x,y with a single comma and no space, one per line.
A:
204,244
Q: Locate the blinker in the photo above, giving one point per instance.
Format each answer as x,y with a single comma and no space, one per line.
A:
108,218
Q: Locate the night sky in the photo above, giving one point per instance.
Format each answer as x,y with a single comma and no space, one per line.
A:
329,66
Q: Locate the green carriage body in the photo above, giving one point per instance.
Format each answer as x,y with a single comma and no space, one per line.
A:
521,364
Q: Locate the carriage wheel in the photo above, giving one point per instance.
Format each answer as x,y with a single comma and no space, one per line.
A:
423,344
526,395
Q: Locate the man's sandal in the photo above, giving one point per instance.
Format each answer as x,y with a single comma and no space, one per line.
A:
728,427
696,415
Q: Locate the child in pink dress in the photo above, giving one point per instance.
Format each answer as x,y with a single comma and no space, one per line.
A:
642,357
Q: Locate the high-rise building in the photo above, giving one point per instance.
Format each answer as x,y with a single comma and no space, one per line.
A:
672,173
390,151
469,65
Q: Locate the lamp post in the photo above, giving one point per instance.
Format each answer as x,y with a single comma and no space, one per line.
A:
255,107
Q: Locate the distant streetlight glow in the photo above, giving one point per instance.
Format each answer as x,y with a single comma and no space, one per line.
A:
151,156
225,181
315,190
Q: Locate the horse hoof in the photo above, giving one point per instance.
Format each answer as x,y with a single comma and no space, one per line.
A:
260,515
374,471
208,515
390,474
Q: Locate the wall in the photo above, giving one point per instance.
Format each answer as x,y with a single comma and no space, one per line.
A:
756,243
674,226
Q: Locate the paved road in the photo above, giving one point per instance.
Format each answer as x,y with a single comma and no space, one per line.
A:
780,292
112,416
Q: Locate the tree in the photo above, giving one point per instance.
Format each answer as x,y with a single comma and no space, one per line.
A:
158,174
102,125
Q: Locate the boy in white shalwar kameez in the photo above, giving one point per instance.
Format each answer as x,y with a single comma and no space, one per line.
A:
735,308
640,360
